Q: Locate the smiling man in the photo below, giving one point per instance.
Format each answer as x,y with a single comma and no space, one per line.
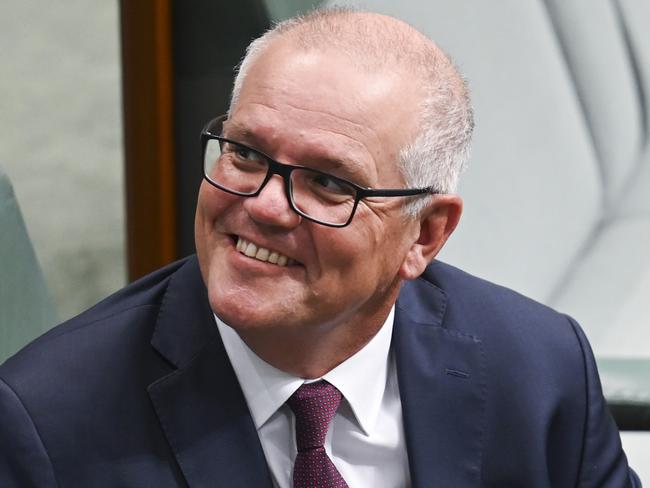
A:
313,107
314,340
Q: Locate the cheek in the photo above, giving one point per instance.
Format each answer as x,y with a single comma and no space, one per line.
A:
211,200
211,207
348,254
367,255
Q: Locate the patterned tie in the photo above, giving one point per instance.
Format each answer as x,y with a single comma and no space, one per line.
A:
314,405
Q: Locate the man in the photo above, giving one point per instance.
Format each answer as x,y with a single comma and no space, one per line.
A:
311,343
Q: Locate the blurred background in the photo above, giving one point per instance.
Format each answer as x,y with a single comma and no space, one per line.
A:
61,142
101,105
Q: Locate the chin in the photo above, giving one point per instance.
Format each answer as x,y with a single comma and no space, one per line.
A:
230,309
251,301
240,310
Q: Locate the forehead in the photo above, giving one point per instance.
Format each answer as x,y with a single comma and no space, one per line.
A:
320,99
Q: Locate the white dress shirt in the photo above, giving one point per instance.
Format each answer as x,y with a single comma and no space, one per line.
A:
366,438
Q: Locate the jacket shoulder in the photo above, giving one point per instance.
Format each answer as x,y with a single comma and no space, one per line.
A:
513,329
482,302
134,306
541,382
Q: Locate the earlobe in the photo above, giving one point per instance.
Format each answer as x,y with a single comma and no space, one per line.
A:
436,224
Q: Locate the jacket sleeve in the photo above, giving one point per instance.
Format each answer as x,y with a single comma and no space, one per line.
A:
604,464
24,462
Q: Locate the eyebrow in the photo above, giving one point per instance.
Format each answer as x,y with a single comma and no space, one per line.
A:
240,133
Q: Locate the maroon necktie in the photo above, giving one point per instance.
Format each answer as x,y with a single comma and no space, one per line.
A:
314,405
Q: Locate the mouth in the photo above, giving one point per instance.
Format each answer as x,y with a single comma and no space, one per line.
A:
255,251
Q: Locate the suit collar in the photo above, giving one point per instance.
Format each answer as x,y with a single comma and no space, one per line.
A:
442,383
200,405
184,324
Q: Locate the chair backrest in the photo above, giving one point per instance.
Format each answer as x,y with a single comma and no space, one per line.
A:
26,310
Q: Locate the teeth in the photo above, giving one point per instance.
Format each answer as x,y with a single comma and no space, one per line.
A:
262,253
251,250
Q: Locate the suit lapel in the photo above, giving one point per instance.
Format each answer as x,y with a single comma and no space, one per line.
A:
207,423
441,375
200,405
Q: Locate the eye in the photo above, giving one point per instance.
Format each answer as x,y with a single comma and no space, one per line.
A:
312,191
242,158
329,183
247,154
240,152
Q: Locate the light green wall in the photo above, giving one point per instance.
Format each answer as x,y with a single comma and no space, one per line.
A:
62,141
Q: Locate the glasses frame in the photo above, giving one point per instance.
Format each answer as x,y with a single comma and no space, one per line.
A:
284,170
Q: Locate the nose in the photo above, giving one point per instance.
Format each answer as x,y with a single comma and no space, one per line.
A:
271,206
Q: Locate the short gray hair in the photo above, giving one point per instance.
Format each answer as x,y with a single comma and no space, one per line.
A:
438,153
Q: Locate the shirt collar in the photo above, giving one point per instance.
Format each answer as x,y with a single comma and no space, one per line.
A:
361,378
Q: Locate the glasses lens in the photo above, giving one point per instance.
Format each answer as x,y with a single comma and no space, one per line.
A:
322,197
234,167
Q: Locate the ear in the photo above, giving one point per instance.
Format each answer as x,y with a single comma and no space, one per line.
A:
436,223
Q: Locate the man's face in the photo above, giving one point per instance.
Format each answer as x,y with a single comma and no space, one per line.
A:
318,110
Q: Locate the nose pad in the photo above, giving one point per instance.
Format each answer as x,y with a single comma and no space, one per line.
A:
271,206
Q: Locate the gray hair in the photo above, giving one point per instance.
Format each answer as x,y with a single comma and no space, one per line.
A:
438,153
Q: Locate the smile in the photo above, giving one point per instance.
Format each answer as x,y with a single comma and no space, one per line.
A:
263,254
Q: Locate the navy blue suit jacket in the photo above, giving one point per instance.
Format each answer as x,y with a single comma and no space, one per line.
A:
496,389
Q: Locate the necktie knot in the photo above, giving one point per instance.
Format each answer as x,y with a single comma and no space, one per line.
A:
314,405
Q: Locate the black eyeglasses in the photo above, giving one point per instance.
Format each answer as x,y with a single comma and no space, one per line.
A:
317,196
